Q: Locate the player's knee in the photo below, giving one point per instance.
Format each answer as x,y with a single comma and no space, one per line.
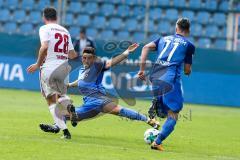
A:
173,115
64,101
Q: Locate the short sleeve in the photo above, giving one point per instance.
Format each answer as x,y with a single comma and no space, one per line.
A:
44,34
100,65
189,54
70,44
156,41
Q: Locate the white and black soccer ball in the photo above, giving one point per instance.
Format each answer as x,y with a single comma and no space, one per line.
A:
150,135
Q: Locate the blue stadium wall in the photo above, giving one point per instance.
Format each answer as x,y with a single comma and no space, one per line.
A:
215,79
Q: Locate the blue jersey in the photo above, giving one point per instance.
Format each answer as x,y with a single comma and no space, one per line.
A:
90,80
173,51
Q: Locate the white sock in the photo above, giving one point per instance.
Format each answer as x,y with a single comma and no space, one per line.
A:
57,117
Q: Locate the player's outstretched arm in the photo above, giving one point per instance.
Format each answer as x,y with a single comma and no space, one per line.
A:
122,56
41,56
144,54
72,54
73,84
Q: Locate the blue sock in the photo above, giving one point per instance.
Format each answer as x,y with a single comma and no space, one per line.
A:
131,114
167,129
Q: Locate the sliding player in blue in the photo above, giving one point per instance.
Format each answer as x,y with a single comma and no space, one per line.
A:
95,97
173,51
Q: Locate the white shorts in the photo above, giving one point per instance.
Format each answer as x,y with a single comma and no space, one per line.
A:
54,80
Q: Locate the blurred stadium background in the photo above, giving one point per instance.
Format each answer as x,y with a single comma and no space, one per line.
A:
214,31
214,22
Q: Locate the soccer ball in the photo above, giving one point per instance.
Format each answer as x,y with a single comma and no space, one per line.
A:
150,135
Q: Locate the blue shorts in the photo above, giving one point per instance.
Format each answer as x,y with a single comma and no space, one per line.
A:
92,106
172,100
167,87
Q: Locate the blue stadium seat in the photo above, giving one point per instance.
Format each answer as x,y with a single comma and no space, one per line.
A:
195,4
91,32
123,11
223,33
161,3
10,27
212,31
107,9
171,14
191,39
164,27
106,35
4,15
28,4
99,22
131,25
91,8
19,16
220,44
1,3
211,4
151,26
11,4
203,17
224,5
179,3
123,35
219,19
74,32
196,29
204,43
74,7
153,37
131,2
42,4
138,12
115,23
155,14
26,29
35,17
141,2
83,20
69,20
138,37
188,14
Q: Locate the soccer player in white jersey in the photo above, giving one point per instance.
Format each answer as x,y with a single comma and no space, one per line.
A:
56,48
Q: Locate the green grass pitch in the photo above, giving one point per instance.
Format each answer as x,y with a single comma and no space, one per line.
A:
203,132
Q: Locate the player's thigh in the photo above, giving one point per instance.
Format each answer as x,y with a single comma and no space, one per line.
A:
87,111
174,99
111,108
59,79
45,86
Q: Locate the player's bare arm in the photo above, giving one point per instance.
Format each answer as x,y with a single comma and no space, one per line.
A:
41,56
187,69
73,84
145,50
72,54
122,56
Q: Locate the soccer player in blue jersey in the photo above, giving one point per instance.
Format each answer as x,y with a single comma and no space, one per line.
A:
95,97
173,51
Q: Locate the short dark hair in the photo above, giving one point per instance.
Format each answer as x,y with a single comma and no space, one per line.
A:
50,13
183,24
83,30
89,50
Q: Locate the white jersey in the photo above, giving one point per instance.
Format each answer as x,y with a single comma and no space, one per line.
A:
59,44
